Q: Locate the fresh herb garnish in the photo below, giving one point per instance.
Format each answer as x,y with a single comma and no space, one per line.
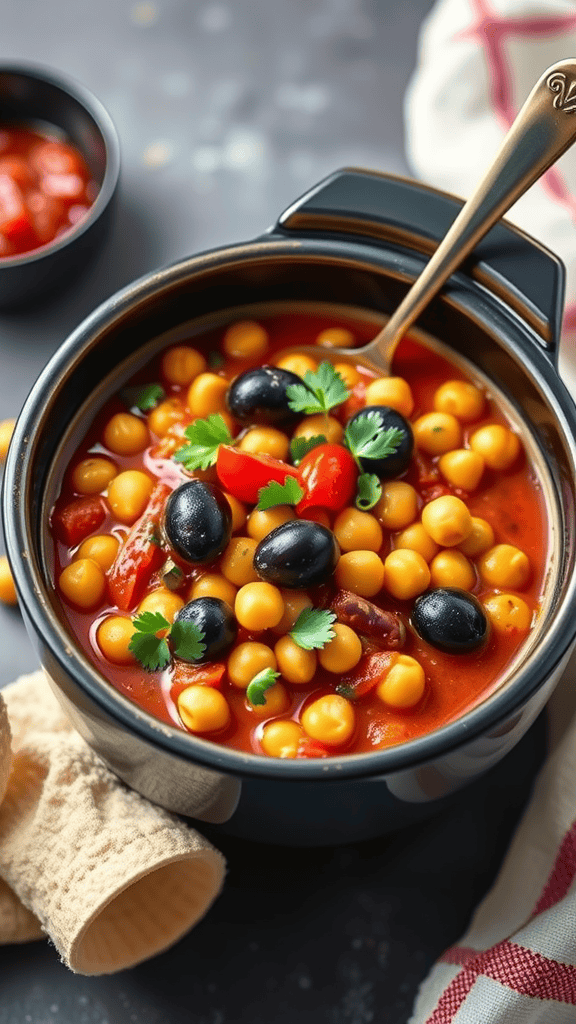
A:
300,446
313,628
288,493
259,684
369,491
152,650
205,438
322,390
149,397
365,437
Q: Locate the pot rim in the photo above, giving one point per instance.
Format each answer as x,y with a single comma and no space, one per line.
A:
487,715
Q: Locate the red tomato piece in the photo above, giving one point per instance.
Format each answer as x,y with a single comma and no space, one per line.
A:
15,223
53,157
366,675
140,554
186,675
244,475
328,474
78,518
307,747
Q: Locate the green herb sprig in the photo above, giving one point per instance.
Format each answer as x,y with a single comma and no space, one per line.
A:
259,684
149,397
300,446
321,391
205,437
365,438
313,628
152,650
288,493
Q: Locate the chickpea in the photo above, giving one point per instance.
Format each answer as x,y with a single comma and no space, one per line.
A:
92,475
313,425
355,530
394,392
462,468
238,512
498,446
128,494
508,613
266,441
349,374
504,566
361,572
343,652
207,394
7,589
403,685
281,738
437,432
101,548
165,415
406,574
237,562
6,431
398,506
296,665
447,520
181,364
126,434
164,601
415,538
276,702
245,340
213,585
203,709
247,660
295,601
258,606
452,569
297,363
480,538
330,719
260,524
113,637
460,398
83,583
335,337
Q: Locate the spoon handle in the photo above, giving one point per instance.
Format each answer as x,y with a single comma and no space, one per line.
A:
544,128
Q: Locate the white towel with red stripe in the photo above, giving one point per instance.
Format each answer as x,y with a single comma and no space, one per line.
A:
478,61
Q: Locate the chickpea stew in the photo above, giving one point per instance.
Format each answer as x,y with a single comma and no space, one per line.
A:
296,558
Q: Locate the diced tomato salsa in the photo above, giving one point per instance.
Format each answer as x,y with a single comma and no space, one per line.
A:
386,681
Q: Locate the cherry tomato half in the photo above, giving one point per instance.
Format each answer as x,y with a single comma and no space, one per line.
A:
243,474
328,474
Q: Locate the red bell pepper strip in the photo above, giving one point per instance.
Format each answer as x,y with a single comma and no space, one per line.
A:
328,475
140,554
78,518
370,670
186,675
244,475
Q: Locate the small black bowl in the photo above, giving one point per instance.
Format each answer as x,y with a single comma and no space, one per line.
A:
40,98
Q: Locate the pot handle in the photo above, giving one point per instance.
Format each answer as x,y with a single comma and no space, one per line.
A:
398,211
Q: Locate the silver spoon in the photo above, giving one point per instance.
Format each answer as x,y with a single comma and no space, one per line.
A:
544,129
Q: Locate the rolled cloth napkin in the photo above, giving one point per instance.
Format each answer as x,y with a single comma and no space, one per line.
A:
478,61
109,877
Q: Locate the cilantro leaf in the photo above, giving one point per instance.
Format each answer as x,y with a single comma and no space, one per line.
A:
186,640
365,437
313,628
288,493
300,446
205,438
259,684
369,491
322,390
149,397
150,650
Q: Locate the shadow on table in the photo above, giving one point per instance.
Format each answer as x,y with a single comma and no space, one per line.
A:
338,935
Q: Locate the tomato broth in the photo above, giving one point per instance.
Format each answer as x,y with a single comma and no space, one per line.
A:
511,500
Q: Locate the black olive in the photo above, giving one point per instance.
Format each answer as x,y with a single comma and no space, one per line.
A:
198,521
259,396
450,619
215,619
389,465
297,554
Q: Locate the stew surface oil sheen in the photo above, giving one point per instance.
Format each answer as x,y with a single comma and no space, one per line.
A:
432,590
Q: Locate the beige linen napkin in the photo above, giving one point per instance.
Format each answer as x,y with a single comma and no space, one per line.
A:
109,877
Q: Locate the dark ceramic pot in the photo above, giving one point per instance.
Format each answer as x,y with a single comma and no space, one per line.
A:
362,238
